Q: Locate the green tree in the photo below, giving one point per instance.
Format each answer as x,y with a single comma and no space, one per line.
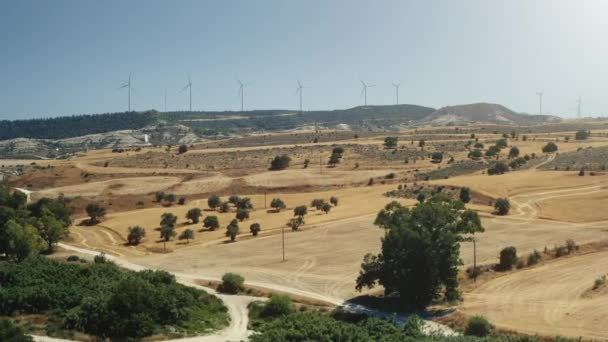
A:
296,222
550,147
167,232
169,199
159,196
182,149
421,143
478,145
420,198
232,230
211,222
513,152
277,204
10,332
244,203
492,151
508,258
225,207
465,195
334,201
242,214
582,135
214,201
501,143
51,229
168,219
326,208
502,206
317,203
437,157
95,212
136,233
498,168
255,228
390,142
475,154
187,234
300,210
334,159
194,215
420,250
23,241
280,162
234,200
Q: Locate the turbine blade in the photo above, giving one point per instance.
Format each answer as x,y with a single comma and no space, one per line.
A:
122,87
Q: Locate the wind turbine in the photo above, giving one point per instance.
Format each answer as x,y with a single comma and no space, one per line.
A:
128,86
364,90
397,85
188,86
540,102
242,93
579,103
299,91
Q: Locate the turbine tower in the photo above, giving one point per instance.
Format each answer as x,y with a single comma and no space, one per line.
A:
188,86
364,91
128,86
540,102
242,93
299,91
579,103
397,85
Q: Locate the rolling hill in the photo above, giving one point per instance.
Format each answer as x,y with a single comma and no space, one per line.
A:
483,113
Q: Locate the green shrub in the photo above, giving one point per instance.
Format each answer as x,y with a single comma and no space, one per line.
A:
534,258
502,206
73,258
508,258
277,306
478,326
232,283
550,147
9,332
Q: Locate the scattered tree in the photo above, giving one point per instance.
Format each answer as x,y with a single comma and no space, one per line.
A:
167,232
550,147
280,162
334,201
51,229
225,207
498,168
501,143
513,152
277,204
211,222
95,212
234,200
168,219
390,142
326,208
214,201
502,206
182,200
159,196
24,241
300,210
475,154
465,195
136,234
194,215
182,149
244,203
420,198
232,230
508,258
255,228
242,214
582,135
296,222
317,203
187,235
436,157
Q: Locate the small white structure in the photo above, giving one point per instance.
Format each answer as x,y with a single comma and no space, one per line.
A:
146,138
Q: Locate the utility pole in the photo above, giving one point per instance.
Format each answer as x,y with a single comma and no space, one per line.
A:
264,199
474,260
283,241
320,164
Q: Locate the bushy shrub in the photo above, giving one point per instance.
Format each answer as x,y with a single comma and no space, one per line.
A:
280,162
502,206
73,258
232,283
550,147
10,332
534,258
508,258
478,326
277,306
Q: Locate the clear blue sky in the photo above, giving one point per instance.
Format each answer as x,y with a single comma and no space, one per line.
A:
68,57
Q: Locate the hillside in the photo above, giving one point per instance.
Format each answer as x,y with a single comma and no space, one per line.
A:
484,113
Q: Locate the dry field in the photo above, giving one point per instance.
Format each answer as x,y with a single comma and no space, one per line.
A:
323,259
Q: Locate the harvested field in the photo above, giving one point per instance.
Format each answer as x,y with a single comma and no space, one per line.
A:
585,210
312,177
546,300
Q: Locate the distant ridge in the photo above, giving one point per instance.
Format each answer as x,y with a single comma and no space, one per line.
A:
484,113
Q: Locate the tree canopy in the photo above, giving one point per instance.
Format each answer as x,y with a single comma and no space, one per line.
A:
420,250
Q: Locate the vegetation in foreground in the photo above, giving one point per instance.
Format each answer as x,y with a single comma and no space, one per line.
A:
104,301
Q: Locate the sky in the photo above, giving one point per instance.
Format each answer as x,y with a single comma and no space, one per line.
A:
66,57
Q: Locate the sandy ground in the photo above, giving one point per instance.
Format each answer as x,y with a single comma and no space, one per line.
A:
312,177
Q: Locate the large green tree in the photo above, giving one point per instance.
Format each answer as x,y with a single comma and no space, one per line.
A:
420,250
51,229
